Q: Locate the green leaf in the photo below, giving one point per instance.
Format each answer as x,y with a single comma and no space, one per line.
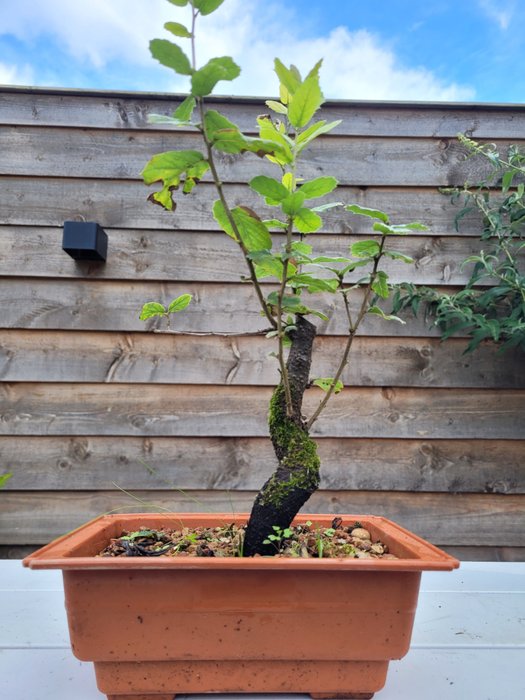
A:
292,301
365,249
171,56
184,111
287,77
306,221
206,7
180,117
380,285
313,284
365,211
379,312
169,165
275,223
179,3
308,135
328,205
219,214
267,265
305,102
269,132
269,187
325,383
395,255
169,169
319,314
277,106
180,303
178,29
293,203
318,187
328,259
506,181
194,175
152,308
206,78
301,247
165,119
252,230
4,478
138,533
226,136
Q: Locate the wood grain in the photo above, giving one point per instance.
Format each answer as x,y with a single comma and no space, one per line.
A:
93,463
101,305
160,358
205,411
426,435
466,520
120,110
212,256
116,154
123,204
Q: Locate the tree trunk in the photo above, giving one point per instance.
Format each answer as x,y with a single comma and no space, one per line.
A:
297,474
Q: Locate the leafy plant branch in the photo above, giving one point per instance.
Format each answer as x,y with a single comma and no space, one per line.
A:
496,312
294,271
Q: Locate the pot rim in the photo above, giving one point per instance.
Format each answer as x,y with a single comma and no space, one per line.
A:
76,549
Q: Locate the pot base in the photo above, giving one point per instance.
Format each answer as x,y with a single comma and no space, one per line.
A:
320,679
341,696
317,696
148,696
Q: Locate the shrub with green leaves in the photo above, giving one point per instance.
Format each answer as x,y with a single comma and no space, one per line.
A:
494,312
288,278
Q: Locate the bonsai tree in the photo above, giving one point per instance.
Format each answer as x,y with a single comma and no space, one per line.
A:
298,274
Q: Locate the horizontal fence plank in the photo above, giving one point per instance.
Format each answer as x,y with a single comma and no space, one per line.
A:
362,161
130,111
123,204
444,519
483,553
91,463
214,257
161,358
101,305
204,411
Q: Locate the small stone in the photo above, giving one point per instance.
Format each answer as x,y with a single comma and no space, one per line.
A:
360,533
363,555
377,548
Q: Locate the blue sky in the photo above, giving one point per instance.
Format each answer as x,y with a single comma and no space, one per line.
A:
446,50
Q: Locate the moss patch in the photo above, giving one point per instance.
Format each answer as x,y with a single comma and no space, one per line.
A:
297,454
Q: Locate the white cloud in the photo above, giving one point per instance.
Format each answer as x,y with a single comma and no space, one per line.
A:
499,11
357,65
15,75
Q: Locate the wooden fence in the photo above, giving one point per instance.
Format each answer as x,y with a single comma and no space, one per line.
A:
93,405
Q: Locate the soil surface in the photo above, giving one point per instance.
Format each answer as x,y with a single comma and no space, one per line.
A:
305,540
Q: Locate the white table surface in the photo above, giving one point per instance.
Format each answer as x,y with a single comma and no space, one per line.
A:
468,641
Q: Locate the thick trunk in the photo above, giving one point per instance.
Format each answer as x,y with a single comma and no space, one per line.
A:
297,474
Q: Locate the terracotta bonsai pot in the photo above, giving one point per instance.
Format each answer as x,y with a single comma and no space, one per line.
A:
157,626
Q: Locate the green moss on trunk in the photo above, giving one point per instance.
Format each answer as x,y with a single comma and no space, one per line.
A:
297,454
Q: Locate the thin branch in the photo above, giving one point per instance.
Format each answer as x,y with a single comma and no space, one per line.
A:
352,330
284,369
205,333
218,186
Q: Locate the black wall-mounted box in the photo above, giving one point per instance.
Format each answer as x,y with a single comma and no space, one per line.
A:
85,240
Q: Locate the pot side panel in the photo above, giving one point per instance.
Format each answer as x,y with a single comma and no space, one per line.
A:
186,615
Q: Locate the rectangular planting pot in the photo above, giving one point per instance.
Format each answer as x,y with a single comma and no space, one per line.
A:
158,626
